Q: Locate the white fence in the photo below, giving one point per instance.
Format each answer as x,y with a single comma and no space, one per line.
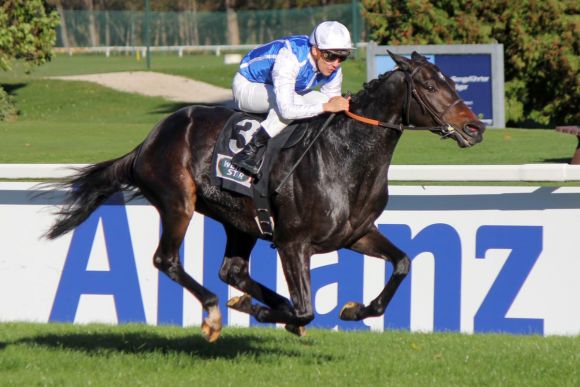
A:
180,50
524,172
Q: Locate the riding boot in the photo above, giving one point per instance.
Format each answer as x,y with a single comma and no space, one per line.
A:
247,159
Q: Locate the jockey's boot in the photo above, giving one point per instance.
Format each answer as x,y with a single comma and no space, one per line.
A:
247,159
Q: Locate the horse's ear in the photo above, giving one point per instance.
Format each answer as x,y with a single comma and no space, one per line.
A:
402,62
418,57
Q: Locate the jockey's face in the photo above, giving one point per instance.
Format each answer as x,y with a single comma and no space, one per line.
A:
326,62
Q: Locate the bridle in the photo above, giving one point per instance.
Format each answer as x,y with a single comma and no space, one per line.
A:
444,129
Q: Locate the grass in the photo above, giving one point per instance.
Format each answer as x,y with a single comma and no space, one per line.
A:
208,68
61,354
80,122
500,146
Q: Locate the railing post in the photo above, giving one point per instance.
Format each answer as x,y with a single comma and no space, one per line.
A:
148,32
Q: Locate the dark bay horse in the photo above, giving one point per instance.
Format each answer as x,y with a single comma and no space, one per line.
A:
330,201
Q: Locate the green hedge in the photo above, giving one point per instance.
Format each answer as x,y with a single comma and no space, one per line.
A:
7,108
540,37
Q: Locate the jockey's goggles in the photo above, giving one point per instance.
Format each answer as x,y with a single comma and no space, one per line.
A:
332,55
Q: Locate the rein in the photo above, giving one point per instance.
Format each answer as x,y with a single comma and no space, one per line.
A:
444,128
324,126
400,127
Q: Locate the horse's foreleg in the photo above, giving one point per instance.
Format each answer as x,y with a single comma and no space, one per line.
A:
235,272
376,245
295,316
296,265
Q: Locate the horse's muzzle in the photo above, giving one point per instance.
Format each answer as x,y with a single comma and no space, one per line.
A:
473,130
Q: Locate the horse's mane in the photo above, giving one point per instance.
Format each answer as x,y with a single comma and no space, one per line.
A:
370,87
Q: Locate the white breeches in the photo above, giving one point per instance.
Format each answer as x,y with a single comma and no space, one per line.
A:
255,97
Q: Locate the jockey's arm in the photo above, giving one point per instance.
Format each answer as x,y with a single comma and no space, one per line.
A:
284,74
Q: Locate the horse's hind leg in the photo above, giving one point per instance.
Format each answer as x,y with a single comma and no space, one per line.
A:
377,245
176,203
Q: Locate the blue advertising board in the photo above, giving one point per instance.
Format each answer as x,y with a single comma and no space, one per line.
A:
484,259
441,240
476,70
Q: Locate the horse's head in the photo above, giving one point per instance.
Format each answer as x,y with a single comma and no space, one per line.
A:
434,102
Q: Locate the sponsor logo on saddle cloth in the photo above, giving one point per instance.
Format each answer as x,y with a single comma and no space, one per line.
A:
242,132
225,170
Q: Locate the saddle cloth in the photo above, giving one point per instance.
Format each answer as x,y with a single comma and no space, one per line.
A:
236,133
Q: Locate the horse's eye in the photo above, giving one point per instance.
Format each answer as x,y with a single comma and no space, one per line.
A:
430,88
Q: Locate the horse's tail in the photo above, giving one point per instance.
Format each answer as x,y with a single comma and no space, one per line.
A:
90,187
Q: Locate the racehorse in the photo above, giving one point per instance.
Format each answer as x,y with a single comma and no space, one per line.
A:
330,201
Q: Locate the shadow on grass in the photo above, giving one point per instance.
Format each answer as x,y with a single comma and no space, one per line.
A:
227,347
565,160
11,88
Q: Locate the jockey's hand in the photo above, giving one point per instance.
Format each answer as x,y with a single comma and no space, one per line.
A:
336,104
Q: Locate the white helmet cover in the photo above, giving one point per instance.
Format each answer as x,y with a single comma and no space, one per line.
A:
331,35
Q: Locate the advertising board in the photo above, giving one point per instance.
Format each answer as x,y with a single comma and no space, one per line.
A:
485,259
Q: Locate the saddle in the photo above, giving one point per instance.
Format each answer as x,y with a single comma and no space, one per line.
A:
235,134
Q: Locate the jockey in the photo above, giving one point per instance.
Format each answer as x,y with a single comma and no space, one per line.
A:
279,78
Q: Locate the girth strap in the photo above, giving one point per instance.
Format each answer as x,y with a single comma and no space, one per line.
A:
263,218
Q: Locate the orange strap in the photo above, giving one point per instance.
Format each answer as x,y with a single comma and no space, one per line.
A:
365,120
373,122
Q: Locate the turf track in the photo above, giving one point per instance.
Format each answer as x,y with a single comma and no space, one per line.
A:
62,354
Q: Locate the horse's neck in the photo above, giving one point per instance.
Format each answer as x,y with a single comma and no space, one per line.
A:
382,99
361,151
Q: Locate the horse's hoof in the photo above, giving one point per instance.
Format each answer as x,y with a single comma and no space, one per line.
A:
299,331
211,328
240,303
351,311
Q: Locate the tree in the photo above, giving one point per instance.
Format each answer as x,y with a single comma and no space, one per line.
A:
27,32
540,38
233,27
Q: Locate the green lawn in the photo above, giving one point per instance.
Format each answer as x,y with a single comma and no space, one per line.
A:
80,122
99,355
208,68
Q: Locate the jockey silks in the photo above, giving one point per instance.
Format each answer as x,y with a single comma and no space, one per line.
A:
257,65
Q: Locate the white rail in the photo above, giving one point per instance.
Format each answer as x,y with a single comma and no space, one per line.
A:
524,172
216,48
107,50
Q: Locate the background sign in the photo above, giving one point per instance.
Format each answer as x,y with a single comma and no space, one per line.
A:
476,69
485,259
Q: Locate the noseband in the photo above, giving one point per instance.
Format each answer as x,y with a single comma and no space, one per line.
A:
444,128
